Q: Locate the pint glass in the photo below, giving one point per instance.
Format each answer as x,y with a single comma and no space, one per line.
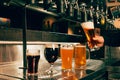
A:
33,57
88,28
80,56
66,52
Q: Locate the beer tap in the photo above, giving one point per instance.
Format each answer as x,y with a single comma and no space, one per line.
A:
48,4
91,9
97,14
101,7
66,3
60,6
70,9
119,10
103,15
84,12
77,10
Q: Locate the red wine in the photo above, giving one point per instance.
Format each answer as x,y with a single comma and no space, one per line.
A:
51,54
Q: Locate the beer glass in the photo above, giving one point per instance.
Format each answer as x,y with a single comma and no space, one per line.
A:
80,73
68,75
33,56
51,55
66,52
80,56
88,28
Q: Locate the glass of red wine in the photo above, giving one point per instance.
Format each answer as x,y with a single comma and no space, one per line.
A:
51,54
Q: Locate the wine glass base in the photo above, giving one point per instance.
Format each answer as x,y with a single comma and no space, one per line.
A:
49,75
51,71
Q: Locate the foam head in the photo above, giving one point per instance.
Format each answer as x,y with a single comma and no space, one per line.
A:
33,52
89,25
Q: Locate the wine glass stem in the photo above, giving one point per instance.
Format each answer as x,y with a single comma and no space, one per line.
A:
51,68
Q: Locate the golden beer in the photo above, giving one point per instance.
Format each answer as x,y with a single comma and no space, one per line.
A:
66,56
88,28
80,56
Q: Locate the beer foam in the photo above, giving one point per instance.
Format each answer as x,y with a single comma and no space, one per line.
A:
33,52
67,48
51,46
88,25
80,46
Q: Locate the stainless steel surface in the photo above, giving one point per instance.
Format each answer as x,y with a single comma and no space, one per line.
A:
9,53
11,57
11,70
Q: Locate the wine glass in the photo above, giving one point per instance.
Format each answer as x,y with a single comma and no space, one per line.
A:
51,54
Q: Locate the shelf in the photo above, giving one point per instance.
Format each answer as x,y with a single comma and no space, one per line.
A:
35,7
14,36
40,9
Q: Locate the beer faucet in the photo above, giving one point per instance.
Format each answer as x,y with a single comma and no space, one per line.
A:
83,7
77,10
70,8
66,3
48,4
91,9
97,14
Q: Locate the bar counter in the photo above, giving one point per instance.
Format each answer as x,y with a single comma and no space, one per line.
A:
11,70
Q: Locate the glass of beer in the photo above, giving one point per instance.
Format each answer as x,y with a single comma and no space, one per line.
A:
88,28
66,53
80,56
33,56
80,73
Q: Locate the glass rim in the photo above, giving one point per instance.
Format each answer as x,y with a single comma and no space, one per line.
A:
32,52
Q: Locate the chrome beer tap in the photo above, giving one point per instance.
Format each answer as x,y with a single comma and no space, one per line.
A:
84,15
91,11
70,8
77,14
97,13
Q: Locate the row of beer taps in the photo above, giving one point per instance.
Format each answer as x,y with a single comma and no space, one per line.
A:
77,9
